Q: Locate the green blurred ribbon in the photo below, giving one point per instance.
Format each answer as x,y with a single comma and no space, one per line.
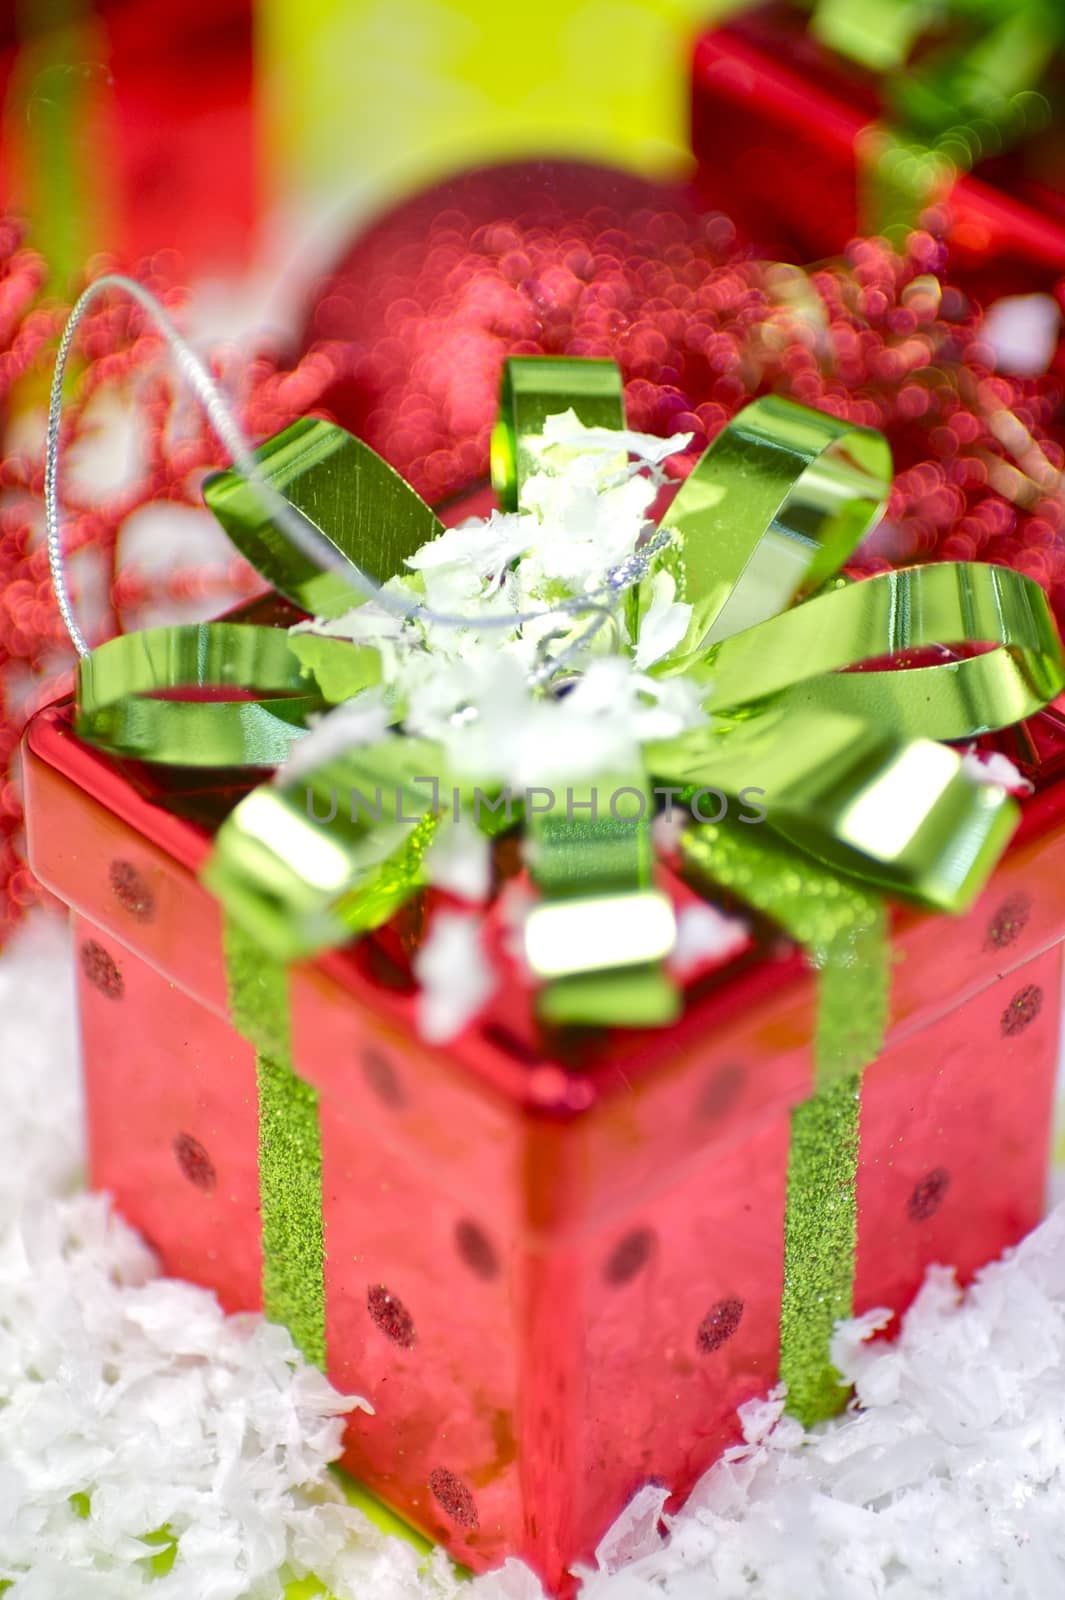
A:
971,91
860,795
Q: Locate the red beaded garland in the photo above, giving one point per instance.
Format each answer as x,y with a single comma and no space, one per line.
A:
565,258
119,359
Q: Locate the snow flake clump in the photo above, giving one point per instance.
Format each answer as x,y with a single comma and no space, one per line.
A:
545,591
455,976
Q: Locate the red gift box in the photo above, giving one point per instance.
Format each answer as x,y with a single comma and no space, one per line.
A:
778,124
553,1262
185,133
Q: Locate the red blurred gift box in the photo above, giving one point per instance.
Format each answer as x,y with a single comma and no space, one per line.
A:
553,1260
130,127
786,135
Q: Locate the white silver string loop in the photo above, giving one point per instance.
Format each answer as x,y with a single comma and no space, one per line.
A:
303,534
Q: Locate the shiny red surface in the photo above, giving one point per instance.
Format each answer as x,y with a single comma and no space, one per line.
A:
945,1142
185,157
525,1237
774,121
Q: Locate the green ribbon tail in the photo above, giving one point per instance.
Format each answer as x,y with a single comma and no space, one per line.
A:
290,1153
600,934
843,928
899,815
310,865
820,1243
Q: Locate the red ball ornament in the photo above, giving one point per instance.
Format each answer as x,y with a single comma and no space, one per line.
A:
528,258
563,258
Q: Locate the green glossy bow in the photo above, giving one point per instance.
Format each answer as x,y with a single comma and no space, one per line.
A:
995,53
848,761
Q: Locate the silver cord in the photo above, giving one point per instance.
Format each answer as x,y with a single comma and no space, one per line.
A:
195,375
551,666
303,534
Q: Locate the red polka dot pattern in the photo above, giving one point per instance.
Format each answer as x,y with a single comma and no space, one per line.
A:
452,1495
388,1313
101,970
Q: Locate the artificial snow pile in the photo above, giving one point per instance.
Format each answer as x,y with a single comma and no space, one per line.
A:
946,1479
151,1446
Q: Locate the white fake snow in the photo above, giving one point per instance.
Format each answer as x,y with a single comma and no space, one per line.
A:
1022,330
992,767
949,1483
455,975
705,934
474,690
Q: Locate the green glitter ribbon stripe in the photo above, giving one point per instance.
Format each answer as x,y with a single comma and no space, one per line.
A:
290,1150
843,929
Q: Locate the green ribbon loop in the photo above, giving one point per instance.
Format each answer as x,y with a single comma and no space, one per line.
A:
772,509
954,603
535,388
960,82
994,53
984,88
360,507
353,499
120,682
